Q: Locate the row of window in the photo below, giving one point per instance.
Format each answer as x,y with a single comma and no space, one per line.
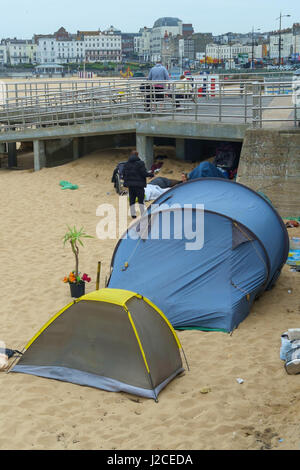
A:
94,40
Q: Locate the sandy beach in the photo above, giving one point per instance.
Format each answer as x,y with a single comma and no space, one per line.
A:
204,409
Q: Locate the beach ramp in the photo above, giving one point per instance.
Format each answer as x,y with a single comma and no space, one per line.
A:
110,339
203,252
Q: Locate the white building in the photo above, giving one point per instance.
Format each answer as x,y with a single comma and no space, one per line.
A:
101,46
226,52
21,51
85,46
52,50
58,51
287,44
3,54
148,46
162,26
142,44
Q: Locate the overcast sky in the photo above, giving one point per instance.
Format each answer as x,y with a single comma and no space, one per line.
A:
23,18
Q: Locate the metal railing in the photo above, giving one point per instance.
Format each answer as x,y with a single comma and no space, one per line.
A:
26,105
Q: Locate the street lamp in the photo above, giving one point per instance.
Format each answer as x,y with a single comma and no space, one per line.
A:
252,55
279,41
230,45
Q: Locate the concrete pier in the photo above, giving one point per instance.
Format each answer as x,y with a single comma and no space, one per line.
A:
76,148
12,155
180,149
39,154
144,146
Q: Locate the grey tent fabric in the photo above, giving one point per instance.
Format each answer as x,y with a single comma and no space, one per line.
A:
240,236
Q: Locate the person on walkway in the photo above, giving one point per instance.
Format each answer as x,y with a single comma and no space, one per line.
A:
158,73
184,90
135,174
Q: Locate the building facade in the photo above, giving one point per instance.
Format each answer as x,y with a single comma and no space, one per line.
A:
85,46
200,41
59,48
128,45
142,44
286,40
161,27
3,54
19,51
289,40
53,51
101,46
234,52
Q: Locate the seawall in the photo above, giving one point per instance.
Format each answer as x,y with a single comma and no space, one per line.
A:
270,162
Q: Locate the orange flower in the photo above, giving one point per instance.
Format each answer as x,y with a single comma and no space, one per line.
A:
66,280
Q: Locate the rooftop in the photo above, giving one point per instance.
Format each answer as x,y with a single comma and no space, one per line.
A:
166,21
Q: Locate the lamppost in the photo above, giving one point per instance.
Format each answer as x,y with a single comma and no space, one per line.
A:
230,45
279,41
252,54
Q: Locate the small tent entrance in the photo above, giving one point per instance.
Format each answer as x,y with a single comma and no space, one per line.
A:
111,339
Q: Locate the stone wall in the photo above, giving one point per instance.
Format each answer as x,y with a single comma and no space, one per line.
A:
270,162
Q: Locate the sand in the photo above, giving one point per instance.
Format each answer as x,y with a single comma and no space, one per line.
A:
37,413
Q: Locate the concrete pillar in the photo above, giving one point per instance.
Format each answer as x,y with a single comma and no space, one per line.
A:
75,148
39,154
144,146
180,149
12,155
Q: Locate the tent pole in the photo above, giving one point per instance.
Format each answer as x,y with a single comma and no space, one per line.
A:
187,364
156,399
98,276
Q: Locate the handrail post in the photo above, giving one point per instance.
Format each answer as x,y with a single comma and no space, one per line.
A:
195,90
245,102
173,91
220,101
255,104
260,105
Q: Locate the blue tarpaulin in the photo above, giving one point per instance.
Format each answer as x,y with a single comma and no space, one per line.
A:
207,170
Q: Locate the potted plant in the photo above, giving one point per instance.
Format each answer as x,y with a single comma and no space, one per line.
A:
75,280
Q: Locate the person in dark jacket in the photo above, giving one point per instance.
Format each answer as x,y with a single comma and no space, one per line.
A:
135,174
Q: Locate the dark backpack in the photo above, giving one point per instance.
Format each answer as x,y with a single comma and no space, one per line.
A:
10,352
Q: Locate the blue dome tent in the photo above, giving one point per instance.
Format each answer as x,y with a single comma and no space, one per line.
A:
210,286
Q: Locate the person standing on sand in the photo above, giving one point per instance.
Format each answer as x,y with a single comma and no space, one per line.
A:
135,174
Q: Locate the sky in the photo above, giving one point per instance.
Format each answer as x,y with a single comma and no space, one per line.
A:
23,18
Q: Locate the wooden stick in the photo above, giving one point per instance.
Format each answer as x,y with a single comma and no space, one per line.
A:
98,276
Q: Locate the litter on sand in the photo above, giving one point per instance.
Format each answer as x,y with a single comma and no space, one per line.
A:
290,350
67,185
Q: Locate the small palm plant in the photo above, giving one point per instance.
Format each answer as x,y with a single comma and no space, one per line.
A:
75,237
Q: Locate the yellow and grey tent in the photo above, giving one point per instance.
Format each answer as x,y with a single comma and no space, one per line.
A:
110,339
